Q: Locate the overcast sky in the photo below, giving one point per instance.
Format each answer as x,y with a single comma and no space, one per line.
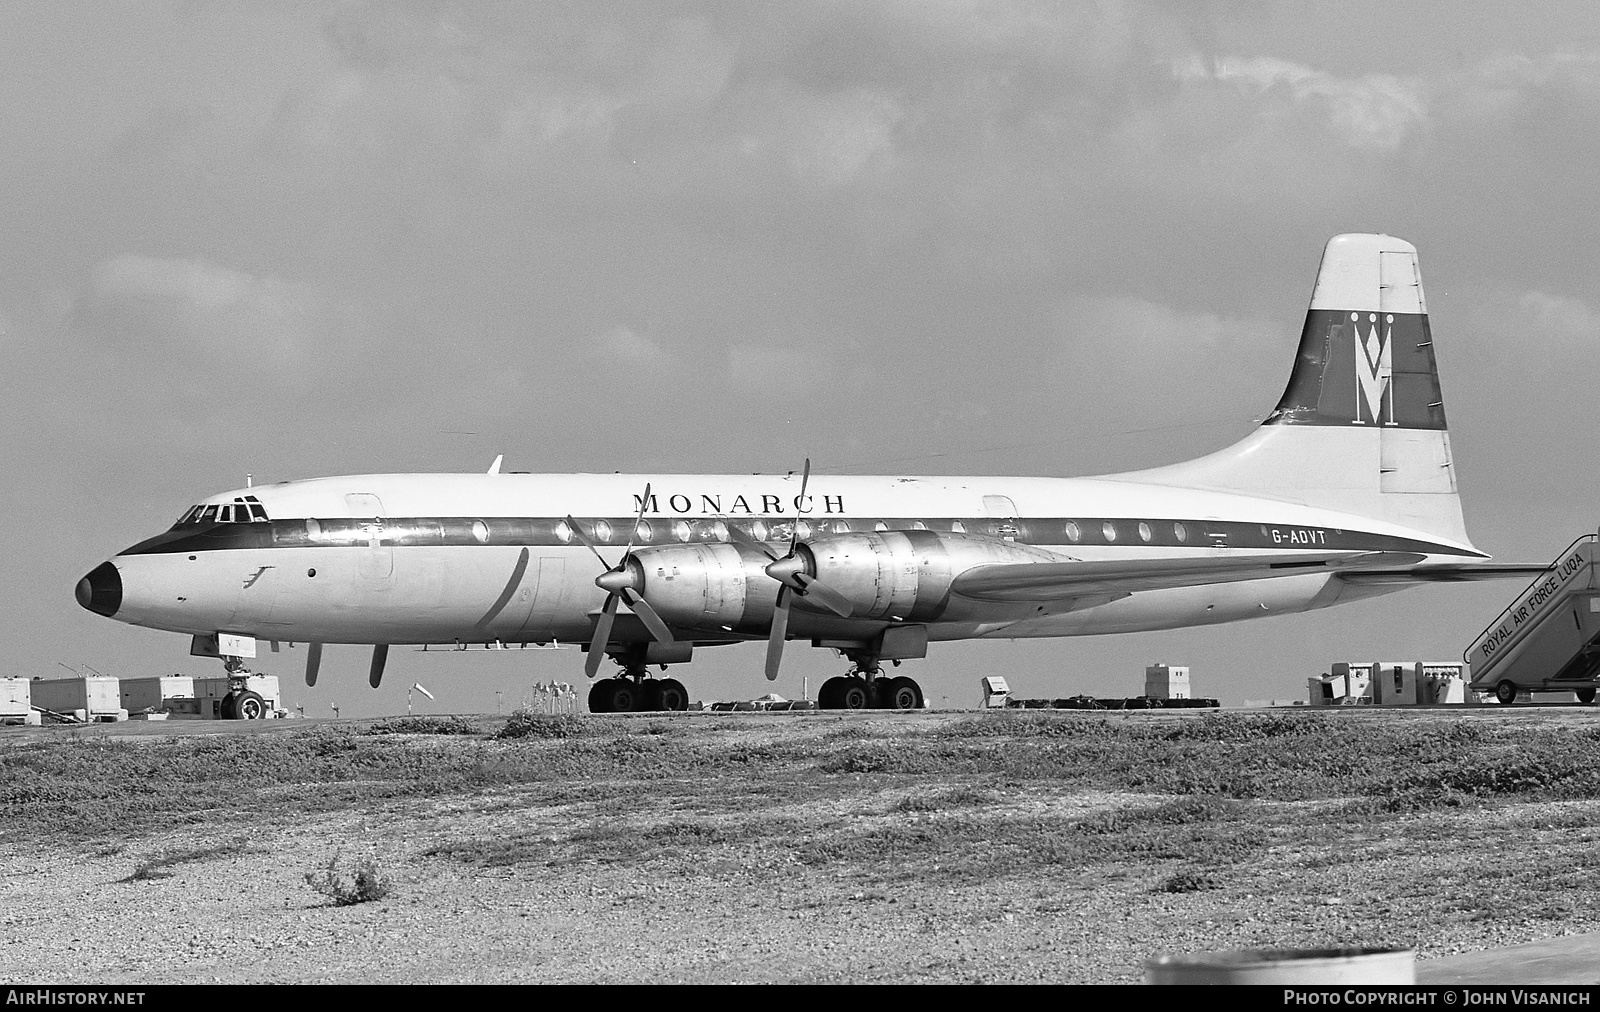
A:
923,237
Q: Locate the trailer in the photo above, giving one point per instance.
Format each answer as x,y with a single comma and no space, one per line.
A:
90,699
160,696
16,702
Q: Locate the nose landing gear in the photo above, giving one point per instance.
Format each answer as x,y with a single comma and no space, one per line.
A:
240,703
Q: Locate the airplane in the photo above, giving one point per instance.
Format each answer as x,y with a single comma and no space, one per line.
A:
1345,491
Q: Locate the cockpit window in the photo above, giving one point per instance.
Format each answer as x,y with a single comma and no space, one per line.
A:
244,510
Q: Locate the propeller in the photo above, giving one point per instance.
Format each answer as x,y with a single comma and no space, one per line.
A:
620,582
795,578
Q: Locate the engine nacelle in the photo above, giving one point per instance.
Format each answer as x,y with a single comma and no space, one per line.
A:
886,576
905,575
706,586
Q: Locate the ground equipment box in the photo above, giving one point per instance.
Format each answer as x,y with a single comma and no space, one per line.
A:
16,702
172,694
92,698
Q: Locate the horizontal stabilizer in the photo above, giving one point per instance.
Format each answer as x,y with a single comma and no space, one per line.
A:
1028,581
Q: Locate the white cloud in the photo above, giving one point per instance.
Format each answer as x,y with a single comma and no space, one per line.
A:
625,345
836,138
1373,111
1557,318
197,304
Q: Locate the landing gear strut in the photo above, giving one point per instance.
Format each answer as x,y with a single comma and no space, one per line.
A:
633,691
866,688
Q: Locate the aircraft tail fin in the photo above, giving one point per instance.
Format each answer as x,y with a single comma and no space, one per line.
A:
1361,426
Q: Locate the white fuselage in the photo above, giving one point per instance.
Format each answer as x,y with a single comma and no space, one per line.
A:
479,558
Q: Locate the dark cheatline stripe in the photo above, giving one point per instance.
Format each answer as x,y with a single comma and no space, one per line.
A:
542,532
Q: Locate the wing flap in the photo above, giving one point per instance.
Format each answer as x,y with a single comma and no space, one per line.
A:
1046,581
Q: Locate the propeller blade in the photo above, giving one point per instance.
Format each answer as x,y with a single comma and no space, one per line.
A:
577,532
794,529
634,530
313,662
647,615
735,534
602,636
780,629
831,599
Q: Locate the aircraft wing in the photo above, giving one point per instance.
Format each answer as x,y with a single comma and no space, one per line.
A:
1455,573
1030,581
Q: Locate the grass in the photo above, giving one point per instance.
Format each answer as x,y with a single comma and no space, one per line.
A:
1187,805
158,867
97,788
346,884
1425,827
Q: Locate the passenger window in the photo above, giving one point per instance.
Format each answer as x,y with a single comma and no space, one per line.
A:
1180,532
602,530
1073,534
957,527
919,526
643,530
1144,532
682,531
1109,529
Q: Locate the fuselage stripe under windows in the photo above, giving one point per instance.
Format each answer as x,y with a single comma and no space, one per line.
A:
542,532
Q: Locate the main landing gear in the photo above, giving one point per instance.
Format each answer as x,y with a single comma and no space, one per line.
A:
866,688
633,691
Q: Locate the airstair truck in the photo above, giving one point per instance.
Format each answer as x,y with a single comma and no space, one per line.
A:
1548,639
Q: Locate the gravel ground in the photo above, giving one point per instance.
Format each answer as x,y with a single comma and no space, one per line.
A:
729,911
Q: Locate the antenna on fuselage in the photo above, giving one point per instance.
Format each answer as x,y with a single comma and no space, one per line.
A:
495,467
249,481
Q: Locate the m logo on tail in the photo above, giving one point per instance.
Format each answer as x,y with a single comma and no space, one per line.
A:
1374,368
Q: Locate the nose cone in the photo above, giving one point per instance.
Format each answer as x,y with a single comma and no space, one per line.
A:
101,590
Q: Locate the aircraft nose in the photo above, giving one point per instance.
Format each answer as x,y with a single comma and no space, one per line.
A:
101,590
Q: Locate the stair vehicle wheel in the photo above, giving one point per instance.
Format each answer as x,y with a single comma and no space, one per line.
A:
671,695
249,706
225,710
1585,695
856,694
625,696
600,696
1506,693
902,693
830,696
